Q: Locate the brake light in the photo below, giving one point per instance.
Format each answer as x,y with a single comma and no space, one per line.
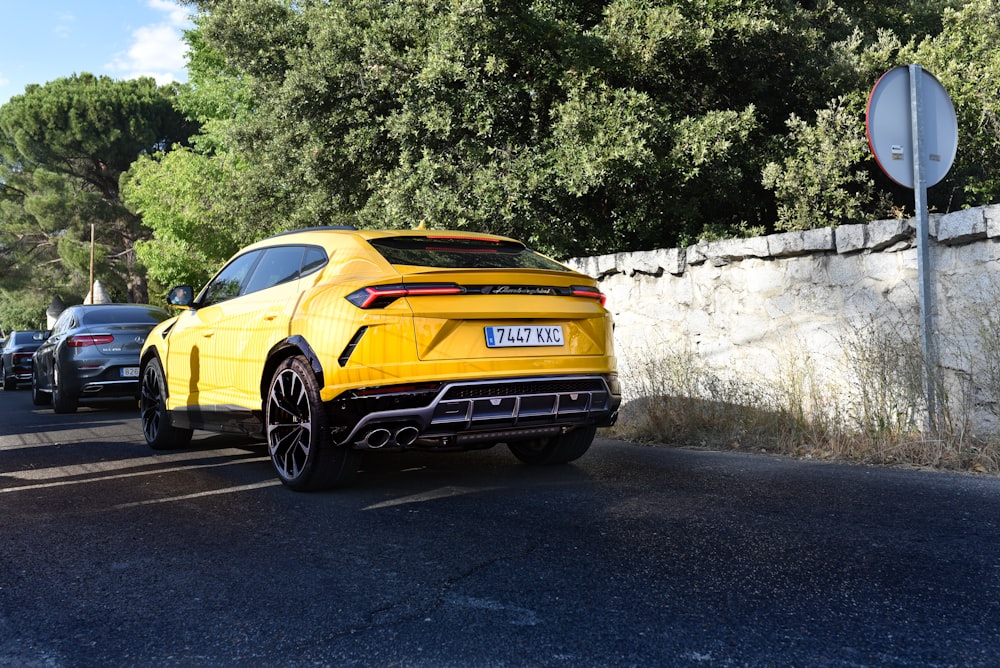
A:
20,356
461,237
380,296
84,340
590,293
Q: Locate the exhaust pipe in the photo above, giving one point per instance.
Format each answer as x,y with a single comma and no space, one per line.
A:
376,438
405,436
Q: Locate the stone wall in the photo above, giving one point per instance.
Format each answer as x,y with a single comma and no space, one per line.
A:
764,304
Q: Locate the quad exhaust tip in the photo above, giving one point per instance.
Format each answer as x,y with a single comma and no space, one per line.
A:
377,438
404,437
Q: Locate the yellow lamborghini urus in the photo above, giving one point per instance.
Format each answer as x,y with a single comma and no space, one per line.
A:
332,342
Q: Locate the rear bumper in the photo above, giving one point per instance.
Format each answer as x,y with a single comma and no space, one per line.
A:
469,414
110,388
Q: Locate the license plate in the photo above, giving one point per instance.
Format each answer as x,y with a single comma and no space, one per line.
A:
517,336
130,372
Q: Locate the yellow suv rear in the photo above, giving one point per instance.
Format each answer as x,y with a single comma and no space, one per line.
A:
330,342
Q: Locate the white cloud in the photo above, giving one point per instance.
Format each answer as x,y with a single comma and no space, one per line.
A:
64,26
157,50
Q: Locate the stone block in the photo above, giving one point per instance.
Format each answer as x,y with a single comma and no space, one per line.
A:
883,234
725,251
696,253
786,244
819,240
961,227
657,262
992,215
851,238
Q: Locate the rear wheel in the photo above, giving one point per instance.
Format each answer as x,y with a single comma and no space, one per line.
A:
156,427
62,401
9,382
556,450
298,432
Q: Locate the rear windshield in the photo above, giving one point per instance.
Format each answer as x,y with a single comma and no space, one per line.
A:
18,338
462,253
130,315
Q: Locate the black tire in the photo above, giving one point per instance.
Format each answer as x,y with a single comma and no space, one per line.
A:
62,401
9,382
160,434
298,432
556,450
38,397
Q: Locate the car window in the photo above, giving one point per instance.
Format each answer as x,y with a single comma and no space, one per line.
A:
227,283
279,264
462,253
314,259
64,322
115,314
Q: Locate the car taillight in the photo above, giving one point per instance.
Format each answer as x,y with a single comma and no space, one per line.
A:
590,293
20,356
84,340
380,296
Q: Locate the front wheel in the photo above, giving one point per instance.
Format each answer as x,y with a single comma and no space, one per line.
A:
556,450
38,397
298,432
160,434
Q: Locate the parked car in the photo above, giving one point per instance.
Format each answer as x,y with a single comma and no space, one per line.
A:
15,359
332,342
93,351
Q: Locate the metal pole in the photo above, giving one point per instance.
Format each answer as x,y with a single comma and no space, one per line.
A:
925,291
91,263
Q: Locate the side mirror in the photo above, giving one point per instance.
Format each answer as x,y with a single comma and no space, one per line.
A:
182,295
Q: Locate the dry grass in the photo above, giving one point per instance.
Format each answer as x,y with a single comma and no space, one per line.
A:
879,419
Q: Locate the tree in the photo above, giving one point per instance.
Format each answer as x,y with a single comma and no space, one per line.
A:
824,181
964,57
195,226
581,127
74,137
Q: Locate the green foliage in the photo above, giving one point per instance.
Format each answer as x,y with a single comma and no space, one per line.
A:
65,146
965,58
821,183
580,127
22,310
183,198
91,128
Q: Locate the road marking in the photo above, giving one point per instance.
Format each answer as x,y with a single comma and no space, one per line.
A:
198,495
175,469
442,493
119,464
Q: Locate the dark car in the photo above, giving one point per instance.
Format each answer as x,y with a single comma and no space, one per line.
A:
93,351
15,360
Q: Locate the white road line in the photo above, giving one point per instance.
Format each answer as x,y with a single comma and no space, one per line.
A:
61,483
117,465
227,490
442,493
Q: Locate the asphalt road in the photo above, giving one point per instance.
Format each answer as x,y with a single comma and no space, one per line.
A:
113,555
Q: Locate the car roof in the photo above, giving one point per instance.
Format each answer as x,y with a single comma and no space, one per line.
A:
324,235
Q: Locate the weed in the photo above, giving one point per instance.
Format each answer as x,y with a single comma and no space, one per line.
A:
876,415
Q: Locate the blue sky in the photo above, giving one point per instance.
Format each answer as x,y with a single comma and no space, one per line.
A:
123,39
